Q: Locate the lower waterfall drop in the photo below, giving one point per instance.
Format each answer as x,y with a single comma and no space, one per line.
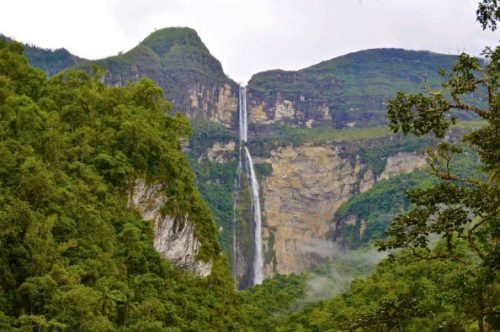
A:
258,263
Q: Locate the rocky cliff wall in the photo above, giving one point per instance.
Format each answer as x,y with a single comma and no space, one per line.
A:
302,110
307,186
215,102
174,238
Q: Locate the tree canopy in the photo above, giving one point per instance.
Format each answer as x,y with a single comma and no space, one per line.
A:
459,218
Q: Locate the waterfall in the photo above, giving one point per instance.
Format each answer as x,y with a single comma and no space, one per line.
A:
258,260
243,115
246,158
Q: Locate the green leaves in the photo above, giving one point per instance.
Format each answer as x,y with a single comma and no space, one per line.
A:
418,114
458,218
488,13
72,255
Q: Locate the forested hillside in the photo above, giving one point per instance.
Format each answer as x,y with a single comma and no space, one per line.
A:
73,256
50,61
97,156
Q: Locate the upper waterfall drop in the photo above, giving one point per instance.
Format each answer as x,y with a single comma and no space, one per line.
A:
243,114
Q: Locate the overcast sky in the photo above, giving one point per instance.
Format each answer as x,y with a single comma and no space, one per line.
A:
249,36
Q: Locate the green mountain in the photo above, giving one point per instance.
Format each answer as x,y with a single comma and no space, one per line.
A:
349,90
175,58
50,61
178,61
85,170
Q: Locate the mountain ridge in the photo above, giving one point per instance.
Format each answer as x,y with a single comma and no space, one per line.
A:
51,61
344,91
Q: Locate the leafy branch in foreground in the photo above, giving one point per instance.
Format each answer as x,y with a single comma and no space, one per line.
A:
459,218
488,12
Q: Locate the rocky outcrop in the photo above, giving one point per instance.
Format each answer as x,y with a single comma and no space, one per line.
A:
402,162
174,238
300,198
214,102
348,91
295,111
308,184
221,153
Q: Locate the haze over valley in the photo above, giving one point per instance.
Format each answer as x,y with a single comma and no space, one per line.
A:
355,189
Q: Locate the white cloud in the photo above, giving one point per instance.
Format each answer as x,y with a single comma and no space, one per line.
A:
251,36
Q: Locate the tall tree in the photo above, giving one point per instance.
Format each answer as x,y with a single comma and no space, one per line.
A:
463,212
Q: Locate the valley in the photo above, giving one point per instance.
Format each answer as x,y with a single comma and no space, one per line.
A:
267,201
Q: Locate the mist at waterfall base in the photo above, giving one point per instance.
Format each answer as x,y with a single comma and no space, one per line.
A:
342,267
246,158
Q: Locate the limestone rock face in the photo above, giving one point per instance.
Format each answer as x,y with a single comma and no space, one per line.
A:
307,186
296,111
214,102
402,162
174,237
220,152
367,181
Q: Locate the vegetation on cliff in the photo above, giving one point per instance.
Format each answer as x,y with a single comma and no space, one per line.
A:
72,256
355,86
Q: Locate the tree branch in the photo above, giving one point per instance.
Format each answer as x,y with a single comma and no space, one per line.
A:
459,105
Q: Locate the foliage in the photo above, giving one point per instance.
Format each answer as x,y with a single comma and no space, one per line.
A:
263,169
72,255
271,302
280,135
375,209
283,135
216,184
403,294
461,210
488,13
215,181
206,133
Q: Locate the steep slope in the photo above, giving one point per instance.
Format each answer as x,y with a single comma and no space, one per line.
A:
305,174
92,181
178,61
175,58
346,91
50,61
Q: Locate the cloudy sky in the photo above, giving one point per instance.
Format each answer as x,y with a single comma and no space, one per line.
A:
249,36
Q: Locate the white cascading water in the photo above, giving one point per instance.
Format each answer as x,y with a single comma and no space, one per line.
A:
243,114
258,264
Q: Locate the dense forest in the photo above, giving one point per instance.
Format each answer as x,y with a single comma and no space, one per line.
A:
74,256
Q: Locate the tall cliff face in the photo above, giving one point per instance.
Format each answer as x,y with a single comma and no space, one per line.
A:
303,184
302,195
347,91
174,238
305,108
192,79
